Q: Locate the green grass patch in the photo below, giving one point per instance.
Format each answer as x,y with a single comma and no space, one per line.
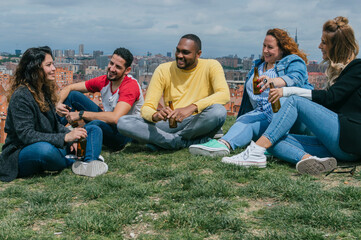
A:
174,195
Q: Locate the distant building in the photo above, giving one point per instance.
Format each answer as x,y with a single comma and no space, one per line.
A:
78,77
58,53
169,54
235,75
247,63
69,53
63,77
229,62
5,70
3,112
81,49
97,54
4,80
17,52
102,61
313,66
234,104
318,80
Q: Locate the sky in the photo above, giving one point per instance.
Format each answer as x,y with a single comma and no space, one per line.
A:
226,27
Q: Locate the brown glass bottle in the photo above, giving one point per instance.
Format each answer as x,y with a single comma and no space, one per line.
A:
81,146
81,143
75,124
256,90
172,121
277,105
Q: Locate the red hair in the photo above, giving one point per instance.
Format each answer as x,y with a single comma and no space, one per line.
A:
286,43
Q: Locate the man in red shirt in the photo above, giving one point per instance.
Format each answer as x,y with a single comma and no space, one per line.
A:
121,95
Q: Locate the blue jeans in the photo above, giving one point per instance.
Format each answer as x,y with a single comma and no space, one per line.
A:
247,127
194,129
111,137
43,156
251,126
322,122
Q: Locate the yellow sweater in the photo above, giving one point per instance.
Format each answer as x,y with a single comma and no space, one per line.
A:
203,86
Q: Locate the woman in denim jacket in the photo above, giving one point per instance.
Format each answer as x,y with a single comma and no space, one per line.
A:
283,64
333,115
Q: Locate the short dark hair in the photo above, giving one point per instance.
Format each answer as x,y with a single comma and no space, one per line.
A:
125,54
195,39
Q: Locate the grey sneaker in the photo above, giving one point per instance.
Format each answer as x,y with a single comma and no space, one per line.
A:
212,148
315,166
89,169
219,134
252,156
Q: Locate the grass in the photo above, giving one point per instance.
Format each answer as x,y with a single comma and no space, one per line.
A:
174,195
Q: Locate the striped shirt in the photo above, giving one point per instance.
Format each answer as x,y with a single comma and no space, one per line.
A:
260,102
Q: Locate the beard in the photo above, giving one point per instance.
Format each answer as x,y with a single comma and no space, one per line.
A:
114,77
186,63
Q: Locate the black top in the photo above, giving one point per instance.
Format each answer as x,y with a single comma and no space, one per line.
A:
26,124
344,98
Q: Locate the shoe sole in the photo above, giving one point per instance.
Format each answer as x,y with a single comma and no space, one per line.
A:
218,136
245,164
209,152
316,167
90,169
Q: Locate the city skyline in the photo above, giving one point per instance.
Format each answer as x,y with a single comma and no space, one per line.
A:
226,28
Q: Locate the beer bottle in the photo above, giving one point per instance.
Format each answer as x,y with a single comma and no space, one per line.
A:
256,90
277,105
81,146
81,143
172,121
74,124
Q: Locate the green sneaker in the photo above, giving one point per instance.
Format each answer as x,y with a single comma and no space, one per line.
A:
213,148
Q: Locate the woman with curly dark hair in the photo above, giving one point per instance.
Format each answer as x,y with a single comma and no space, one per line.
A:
283,64
36,142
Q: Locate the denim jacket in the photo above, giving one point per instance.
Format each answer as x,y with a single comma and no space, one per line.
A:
292,69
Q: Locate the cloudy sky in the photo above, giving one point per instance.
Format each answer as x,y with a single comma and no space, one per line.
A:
224,26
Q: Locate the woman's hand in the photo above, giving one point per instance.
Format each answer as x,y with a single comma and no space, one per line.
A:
265,82
75,135
62,109
73,148
275,94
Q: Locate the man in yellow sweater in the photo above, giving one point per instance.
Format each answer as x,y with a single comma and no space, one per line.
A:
197,88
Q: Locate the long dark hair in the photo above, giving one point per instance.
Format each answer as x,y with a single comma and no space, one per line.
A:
30,73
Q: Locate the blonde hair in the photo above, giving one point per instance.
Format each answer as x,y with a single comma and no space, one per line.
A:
342,46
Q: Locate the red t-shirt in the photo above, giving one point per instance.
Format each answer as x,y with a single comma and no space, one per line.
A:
128,91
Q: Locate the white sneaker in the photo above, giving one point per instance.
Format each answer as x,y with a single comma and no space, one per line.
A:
315,166
89,169
252,156
71,156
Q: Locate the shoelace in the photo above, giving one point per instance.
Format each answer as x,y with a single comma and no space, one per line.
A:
246,154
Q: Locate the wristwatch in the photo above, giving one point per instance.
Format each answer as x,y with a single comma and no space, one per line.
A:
81,114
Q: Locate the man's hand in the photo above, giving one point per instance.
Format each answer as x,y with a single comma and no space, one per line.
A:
162,114
275,94
62,109
72,116
180,114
